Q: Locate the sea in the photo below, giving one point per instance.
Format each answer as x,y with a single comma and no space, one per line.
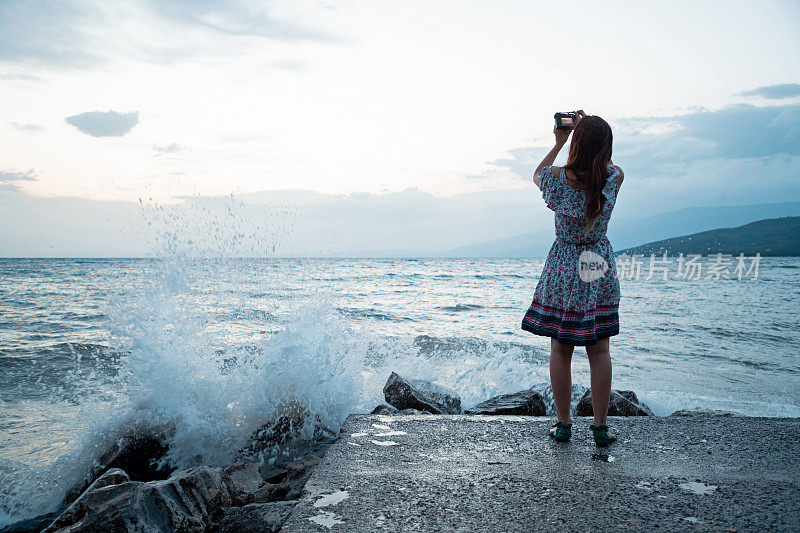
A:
214,346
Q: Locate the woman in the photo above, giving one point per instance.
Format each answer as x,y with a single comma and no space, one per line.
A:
577,297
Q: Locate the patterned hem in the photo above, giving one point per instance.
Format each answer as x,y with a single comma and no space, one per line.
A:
570,327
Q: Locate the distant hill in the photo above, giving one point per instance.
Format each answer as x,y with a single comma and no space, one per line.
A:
771,237
627,232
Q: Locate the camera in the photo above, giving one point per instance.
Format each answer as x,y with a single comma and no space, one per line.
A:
565,121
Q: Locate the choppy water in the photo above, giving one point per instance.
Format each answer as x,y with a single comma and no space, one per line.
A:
91,346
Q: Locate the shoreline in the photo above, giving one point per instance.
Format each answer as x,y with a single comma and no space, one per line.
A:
284,471
742,457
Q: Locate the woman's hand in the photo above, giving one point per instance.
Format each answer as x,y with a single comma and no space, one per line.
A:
579,115
561,136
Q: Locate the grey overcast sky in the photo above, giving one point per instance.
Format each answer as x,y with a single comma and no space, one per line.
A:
373,107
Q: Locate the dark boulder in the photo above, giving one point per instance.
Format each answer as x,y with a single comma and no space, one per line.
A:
622,403
256,517
384,409
74,512
546,391
291,483
189,501
287,439
526,402
249,482
702,411
31,525
243,479
139,454
405,393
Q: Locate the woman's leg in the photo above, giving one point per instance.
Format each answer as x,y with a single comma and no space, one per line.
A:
600,369
561,377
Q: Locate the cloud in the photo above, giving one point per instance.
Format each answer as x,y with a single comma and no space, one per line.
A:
84,34
104,123
39,32
235,18
519,160
775,92
29,128
734,132
167,148
18,76
11,175
7,177
653,146
736,154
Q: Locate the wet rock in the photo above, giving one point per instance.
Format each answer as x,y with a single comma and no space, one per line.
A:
256,517
546,391
405,393
291,484
31,525
384,409
138,454
74,512
622,403
526,402
287,439
273,474
243,479
702,411
188,501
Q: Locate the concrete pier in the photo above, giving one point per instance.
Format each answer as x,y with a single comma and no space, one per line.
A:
702,472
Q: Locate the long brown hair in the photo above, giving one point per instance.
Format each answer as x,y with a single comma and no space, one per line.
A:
589,154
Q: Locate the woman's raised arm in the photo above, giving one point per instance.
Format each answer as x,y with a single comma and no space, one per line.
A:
561,139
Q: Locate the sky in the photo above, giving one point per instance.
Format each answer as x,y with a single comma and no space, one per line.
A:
367,109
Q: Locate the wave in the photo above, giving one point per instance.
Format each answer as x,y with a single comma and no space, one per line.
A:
373,313
167,368
247,313
460,307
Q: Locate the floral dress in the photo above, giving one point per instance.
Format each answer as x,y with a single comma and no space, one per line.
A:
577,298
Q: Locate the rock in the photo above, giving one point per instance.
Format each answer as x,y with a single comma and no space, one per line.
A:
703,411
243,480
288,439
526,402
384,409
410,411
546,391
188,501
405,393
74,512
292,483
273,474
302,467
138,454
256,517
622,403
31,525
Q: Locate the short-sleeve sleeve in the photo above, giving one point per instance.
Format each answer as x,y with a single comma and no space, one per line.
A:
610,188
550,187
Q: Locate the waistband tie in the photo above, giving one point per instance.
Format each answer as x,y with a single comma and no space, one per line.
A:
580,243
